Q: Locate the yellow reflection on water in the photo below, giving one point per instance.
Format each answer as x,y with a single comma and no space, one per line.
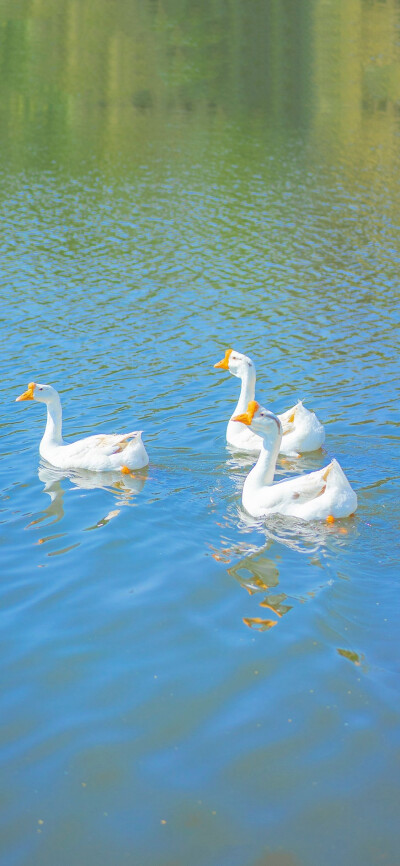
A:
356,78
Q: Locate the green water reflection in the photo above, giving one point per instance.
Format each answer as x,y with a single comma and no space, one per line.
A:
103,80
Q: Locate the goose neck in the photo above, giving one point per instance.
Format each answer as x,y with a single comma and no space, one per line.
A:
262,474
53,431
247,390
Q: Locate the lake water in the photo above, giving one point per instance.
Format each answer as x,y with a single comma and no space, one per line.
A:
180,683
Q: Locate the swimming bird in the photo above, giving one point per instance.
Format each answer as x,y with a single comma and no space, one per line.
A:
302,431
320,495
102,452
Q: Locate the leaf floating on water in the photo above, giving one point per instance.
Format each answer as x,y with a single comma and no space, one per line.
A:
258,623
351,656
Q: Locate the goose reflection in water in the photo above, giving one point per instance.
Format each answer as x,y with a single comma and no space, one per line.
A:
297,534
258,574
125,488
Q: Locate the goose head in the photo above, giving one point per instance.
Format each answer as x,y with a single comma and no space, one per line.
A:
260,420
236,363
39,393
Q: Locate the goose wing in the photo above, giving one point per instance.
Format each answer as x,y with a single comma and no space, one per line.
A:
299,490
287,419
103,444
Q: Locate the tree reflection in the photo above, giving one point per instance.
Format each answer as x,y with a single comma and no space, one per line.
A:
79,78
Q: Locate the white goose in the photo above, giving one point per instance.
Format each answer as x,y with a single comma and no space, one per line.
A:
108,452
301,429
322,495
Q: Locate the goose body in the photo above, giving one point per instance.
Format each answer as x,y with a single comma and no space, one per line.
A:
301,429
323,494
99,453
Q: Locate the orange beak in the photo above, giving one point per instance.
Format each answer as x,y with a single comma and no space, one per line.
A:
248,416
27,395
224,364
